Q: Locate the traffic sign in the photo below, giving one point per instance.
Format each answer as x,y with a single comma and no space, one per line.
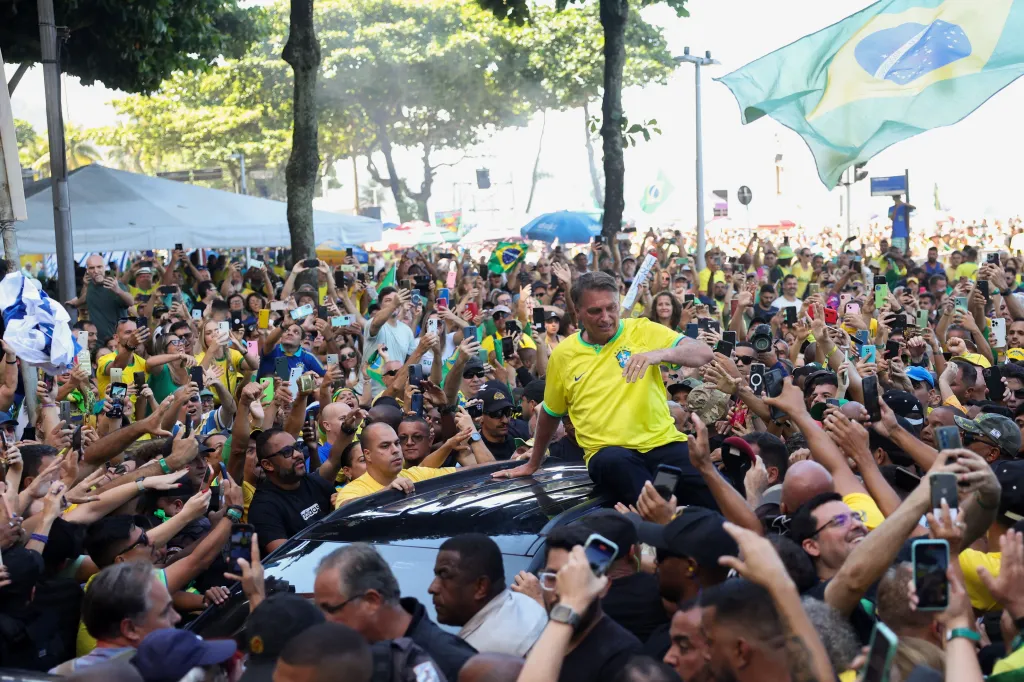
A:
744,195
889,187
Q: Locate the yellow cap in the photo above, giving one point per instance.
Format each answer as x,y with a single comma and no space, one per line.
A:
975,359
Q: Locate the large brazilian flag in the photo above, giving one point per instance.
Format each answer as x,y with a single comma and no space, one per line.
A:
895,69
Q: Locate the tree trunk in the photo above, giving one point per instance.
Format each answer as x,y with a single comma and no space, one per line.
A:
613,19
595,177
389,160
426,188
536,161
302,53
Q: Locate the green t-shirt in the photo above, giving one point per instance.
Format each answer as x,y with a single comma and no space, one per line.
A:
162,383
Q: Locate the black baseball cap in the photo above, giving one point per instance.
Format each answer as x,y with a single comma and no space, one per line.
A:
472,365
905,405
696,533
534,391
613,526
495,396
1010,474
270,627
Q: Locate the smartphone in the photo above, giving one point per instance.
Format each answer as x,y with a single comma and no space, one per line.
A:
853,308
512,327
178,247
998,326
791,315
983,288
992,258
470,332
281,368
994,381
142,322
196,376
922,319
197,314
729,337
948,438
302,312
881,295
415,375
432,326
600,553
861,336
473,309
691,330
892,350
252,348
960,303
831,316
277,305
116,373
311,263
240,546
256,264
167,290
118,394
870,387
665,480
140,380
508,348
757,378
812,288
321,312
725,348
944,487
881,651
76,438
930,561
65,412
475,411
688,298
263,319
406,284
416,404
868,353
332,358
224,327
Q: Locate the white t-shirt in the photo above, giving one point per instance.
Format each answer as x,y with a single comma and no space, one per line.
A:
428,358
398,338
781,303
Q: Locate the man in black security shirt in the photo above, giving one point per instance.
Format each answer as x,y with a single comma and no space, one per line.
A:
498,431
289,499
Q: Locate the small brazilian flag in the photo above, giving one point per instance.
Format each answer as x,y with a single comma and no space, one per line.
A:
374,365
505,256
656,194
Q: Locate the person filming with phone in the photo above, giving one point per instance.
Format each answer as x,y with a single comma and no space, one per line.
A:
606,379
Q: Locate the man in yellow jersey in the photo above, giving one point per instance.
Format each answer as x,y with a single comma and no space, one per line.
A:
606,378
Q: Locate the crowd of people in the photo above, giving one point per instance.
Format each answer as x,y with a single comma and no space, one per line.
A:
814,459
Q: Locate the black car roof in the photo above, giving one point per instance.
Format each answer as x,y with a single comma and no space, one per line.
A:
463,502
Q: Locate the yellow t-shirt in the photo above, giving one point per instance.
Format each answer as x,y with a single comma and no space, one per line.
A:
970,561
524,342
861,502
232,369
138,364
872,328
248,490
803,277
586,382
136,291
366,485
705,278
85,642
968,270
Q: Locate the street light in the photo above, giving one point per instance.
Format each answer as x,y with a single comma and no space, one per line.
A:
698,62
852,176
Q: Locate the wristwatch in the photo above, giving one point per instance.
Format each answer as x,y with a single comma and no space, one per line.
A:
475,437
966,633
563,614
139,485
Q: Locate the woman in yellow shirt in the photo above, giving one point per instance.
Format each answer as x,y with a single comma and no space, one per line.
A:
225,350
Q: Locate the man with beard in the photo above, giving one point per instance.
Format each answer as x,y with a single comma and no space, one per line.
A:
288,499
286,341
828,530
599,647
497,429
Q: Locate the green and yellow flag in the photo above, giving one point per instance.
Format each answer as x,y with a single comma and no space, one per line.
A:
389,279
895,69
505,256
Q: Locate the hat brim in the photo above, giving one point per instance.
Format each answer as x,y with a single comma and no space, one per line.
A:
498,405
217,651
648,533
968,425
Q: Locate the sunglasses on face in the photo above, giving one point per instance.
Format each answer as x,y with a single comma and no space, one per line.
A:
143,541
505,413
745,359
975,438
287,452
346,356
391,373
474,374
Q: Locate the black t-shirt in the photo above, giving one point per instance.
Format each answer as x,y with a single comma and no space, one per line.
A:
602,655
279,514
566,450
634,602
504,450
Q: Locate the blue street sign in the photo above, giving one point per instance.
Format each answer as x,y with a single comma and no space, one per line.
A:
891,186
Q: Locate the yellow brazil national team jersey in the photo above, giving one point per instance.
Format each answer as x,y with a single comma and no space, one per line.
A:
367,485
137,366
586,382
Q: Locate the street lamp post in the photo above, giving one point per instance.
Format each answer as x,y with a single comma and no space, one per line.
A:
698,62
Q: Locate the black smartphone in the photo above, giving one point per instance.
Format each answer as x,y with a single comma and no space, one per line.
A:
348,251
757,378
791,315
168,290
475,411
416,404
311,263
339,279
892,350
415,375
725,348
76,439
930,561
983,288
139,378
666,479
994,380
406,284
142,322
469,332
178,247
948,438
773,388
688,298
508,348
880,280
870,388
691,330
736,465
538,318
993,258
512,327
943,487
281,368
65,412
729,337
322,313
240,546
881,651
197,376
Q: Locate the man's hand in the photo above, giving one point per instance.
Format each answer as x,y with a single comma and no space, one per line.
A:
577,585
53,501
755,481
653,507
637,365
465,423
250,393
252,574
700,450
152,422
760,563
975,475
164,481
402,484
527,583
945,528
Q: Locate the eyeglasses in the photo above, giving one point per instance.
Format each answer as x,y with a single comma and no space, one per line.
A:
745,359
1019,394
504,413
143,541
333,609
841,520
547,580
175,342
287,451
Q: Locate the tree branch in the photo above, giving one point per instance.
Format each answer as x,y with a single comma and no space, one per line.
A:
16,78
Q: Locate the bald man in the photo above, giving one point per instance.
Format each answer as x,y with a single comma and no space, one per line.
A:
491,668
804,480
106,299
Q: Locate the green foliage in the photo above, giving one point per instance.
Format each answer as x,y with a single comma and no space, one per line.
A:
630,131
132,45
34,151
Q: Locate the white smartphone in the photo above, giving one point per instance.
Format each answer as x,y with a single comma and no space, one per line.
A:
82,337
601,552
115,375
293,380
197,314
302,312
342,321
253,263
225,327
277,305
432,325
332,358
84,360
998,325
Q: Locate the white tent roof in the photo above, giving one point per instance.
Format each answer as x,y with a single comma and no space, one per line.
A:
117,210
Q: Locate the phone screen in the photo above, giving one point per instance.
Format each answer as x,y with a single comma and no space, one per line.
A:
930,562
880,654
241,545
508,347
666,479
600,553
197,376
994,381
724,347
870,388
729,337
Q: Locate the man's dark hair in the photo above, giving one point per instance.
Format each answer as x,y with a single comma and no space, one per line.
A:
203,287
81,324
593,281
565,537
970,372
745,344
386,414
263,440
820,377
106,537
787,277
646,669
767,289
121,321
479,555
178,326
935,279
773,450
745,605
384,292
330,648
990,407
970,253
117,592
797,563
32,459
803,525
1011,371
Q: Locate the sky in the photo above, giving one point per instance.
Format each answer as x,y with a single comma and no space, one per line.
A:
975,163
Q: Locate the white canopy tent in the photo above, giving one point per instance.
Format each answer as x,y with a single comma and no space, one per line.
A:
117,210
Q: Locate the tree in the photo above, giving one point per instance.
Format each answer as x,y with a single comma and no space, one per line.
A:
34,150
132,45
614,15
